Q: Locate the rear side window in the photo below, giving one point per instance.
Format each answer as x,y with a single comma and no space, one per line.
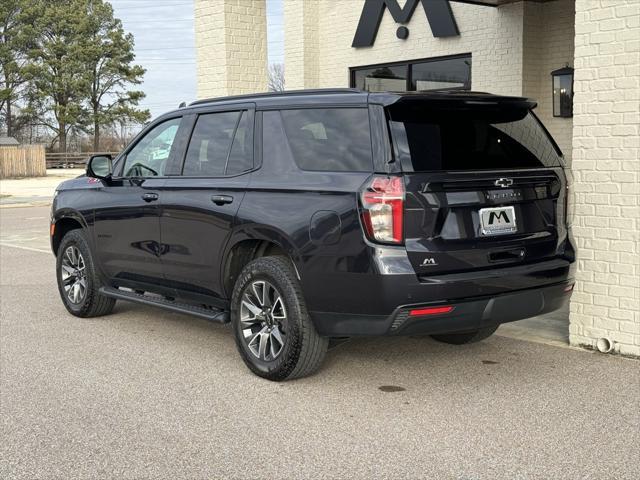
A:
329,139
220,145
475,142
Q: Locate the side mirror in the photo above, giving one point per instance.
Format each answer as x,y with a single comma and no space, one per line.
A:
99,166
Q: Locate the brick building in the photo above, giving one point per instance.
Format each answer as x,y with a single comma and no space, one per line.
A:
499,46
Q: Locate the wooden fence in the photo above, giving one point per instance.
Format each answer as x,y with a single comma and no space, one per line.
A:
22,161
71,159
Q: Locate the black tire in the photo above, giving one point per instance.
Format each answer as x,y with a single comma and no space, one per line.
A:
302,350
91,303
464,338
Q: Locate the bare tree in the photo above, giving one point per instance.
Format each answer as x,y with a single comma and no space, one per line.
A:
276,77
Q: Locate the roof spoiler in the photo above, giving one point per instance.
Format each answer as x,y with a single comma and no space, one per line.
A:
456,100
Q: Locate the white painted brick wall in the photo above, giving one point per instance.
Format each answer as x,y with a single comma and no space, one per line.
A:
231,47
606,166
302,44
548,45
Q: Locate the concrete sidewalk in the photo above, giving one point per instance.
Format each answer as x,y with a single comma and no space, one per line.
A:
34,191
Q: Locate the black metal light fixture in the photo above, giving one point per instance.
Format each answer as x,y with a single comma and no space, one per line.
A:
562,84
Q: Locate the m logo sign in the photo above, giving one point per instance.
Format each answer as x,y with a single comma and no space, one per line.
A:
438,12
500,216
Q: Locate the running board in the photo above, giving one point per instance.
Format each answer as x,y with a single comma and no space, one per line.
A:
218,316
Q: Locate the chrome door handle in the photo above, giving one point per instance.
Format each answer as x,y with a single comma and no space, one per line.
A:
150,197
221,199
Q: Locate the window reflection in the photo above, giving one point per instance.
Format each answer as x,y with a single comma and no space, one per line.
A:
382,79
562,101
435,74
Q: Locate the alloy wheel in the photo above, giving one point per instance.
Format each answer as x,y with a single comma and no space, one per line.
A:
74,276
263,320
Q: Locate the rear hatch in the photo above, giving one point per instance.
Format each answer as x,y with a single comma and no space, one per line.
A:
484,183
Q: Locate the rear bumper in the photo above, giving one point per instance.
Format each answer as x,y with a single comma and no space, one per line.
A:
372,302
467,315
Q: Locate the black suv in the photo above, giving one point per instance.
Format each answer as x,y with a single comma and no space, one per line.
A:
310,215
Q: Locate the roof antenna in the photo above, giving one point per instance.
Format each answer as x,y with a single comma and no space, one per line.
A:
182,105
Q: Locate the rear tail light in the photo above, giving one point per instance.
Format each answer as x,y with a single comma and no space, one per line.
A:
383,209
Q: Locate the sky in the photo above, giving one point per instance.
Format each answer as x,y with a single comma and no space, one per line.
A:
165,46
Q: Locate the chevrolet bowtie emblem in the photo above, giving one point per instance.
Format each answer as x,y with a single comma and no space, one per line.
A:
503,182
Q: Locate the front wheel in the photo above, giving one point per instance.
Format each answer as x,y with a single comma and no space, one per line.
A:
273,331
78,282
464,338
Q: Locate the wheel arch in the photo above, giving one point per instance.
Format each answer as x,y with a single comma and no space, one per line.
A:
246,245
62,224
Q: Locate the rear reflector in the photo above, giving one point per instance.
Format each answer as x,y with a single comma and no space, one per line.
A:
52,229
569,288
419,312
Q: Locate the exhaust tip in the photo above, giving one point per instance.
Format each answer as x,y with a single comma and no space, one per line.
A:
605,345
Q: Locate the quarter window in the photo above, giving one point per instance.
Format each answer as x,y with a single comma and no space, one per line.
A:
148,158
329,139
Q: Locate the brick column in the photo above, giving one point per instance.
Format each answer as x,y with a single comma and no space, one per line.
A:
301,45
231,46
606,166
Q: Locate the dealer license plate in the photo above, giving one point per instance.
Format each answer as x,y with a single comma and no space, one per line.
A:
498,221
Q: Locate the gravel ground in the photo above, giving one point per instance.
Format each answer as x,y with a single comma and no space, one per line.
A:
145,393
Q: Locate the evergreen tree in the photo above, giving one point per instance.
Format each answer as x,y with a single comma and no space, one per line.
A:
109,55
15,35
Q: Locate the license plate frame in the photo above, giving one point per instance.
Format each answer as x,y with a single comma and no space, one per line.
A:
497,221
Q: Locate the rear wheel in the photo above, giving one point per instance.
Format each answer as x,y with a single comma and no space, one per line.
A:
464,338
274,333
78,282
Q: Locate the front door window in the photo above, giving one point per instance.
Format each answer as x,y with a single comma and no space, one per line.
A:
149,157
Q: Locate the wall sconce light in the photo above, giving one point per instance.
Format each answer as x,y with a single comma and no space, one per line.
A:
562,83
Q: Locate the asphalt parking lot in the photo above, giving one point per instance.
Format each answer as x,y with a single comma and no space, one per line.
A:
144,393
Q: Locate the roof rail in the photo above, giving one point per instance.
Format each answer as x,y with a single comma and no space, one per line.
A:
287,93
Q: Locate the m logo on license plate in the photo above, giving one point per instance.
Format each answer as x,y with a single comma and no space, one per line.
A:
497,221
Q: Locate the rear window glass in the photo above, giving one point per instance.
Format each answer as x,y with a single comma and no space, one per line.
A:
471,142
330,139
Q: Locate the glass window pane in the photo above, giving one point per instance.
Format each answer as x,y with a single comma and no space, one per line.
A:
453,142
441,74
241,156
210,144
332,139
148,158
382,79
